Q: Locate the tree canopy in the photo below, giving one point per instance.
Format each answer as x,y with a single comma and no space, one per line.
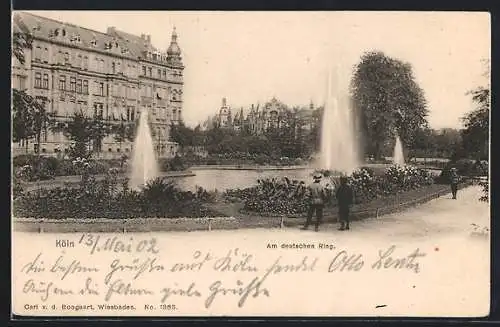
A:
476,123
389,100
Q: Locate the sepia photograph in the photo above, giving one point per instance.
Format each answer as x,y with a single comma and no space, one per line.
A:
250,164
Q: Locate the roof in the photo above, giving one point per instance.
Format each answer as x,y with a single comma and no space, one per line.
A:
43,27
136,44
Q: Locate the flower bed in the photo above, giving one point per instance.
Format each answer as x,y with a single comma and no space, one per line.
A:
290,198
34,168
108,199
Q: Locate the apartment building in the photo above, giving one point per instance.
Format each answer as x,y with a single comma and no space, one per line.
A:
113,76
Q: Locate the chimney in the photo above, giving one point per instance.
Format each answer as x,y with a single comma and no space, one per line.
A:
111,30
143,36
148,38
223,102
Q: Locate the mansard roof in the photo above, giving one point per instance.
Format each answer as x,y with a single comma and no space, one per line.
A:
51,29
125,44
137,44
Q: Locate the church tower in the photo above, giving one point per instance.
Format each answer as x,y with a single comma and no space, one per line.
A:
225,114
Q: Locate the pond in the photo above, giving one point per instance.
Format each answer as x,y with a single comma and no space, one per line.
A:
211,179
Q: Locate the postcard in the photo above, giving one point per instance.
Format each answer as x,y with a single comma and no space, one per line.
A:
191,164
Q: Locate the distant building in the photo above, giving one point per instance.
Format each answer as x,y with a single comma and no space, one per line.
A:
272,115
112,75
225,118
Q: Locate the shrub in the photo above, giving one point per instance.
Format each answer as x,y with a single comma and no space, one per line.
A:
105,200
286,197
23,160
485,185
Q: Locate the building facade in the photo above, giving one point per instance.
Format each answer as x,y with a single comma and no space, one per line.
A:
112,76
272,115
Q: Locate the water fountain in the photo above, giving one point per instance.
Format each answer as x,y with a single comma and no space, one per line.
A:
398,157
339,146
144,165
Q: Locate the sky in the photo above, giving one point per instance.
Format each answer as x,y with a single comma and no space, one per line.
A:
250,57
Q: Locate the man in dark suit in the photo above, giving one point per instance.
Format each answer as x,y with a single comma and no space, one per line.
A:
345,198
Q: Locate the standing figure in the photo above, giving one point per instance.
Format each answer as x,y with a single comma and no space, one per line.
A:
345,198
454,180
316,202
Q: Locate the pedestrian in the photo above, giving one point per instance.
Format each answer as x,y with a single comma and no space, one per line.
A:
454,180
316,202
345,198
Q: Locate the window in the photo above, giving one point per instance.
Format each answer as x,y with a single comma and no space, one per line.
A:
45,83
154,111
85,87
45,55
132,113
85,62
150,71
72,84
144,70
79,86
38,53
101,66
79,61
38,80
22,82
66,58
101,89
164,73
62,83
113,68
60,58
159,73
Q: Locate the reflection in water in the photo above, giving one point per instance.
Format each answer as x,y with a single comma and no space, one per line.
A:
232,179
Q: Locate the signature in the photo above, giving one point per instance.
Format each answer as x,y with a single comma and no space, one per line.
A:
386,260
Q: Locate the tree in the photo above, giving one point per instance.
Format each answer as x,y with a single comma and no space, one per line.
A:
85,132
42,119
389,101
22,103
20,42
476,123
181,134
22,118
123,132
29,118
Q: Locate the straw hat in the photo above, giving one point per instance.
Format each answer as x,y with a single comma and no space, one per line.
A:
317,176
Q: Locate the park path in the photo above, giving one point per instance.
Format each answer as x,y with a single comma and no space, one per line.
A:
440,217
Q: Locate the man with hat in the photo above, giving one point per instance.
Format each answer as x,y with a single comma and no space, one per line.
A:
454,180
316,202
345,198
